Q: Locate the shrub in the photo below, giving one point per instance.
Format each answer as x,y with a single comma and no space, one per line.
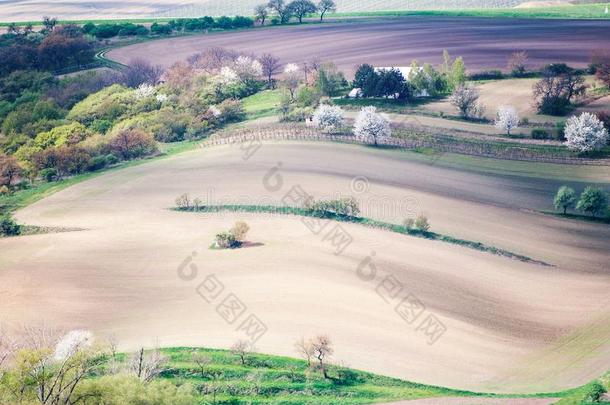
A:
8,226
239,230
107,104
421,223
131,144
594,391
183,201
539,133
231,111
593,201
49,174
487,75
298,114
342,206
225,240
409,223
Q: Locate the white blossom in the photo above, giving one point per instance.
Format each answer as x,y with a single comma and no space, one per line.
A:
228,75
291,68
328,117
371,125
507,119
73,342
144,90
247,68
585,133
161,98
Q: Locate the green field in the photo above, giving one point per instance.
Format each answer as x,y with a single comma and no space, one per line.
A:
262,104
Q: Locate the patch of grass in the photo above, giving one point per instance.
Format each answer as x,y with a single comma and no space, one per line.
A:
580,217
262,104
580,11
373,223
387,105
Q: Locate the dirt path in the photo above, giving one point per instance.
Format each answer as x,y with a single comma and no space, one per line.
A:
509,326
484,43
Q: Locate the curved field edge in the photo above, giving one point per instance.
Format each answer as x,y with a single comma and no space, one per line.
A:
369,222
288,380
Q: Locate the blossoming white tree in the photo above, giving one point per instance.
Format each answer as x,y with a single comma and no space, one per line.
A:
144,90
328,117
71,343
371,125
507,119
228,75
585,133
247,68
291,78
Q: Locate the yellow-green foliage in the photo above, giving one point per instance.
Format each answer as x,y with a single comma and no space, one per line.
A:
68,134
166,125
109,104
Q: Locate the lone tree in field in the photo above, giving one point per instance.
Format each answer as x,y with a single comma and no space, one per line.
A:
466,100
270,66
564,199
585,133
202,361
147,365
241,349
517,63
328,118
300,8
593,201
322,350
371,125
507,119
325,6
261,12
305,349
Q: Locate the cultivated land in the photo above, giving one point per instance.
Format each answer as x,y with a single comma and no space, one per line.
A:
511,326
484,43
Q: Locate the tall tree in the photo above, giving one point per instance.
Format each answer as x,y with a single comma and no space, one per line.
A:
271,66
300,8
261,12
279,6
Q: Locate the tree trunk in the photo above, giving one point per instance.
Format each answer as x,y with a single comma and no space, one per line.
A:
565,209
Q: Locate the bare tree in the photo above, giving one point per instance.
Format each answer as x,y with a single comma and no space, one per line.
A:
140,71
305,349
202,362
326,5
241,348
213,386
322,349
558,86
261,12
517,62
271,66
147,365
213,59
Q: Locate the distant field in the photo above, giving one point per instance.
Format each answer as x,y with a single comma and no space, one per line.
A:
483,43
30,10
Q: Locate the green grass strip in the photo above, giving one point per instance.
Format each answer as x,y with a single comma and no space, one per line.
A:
372,223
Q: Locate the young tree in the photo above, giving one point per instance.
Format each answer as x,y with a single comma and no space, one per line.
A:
466,100
147,365
593,201
366,79
300,8
328,118
322,350
564,199
241,349
202,361
585,133
329,80
305,349
601,62
325,6
261,12
507,119
458,73
283,12
270,66
372,125
517,63
292,79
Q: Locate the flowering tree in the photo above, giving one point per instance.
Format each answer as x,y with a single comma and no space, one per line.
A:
71,343
247,68
291,78
372,125
466,100
144,90
328,117
585,133
507,119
